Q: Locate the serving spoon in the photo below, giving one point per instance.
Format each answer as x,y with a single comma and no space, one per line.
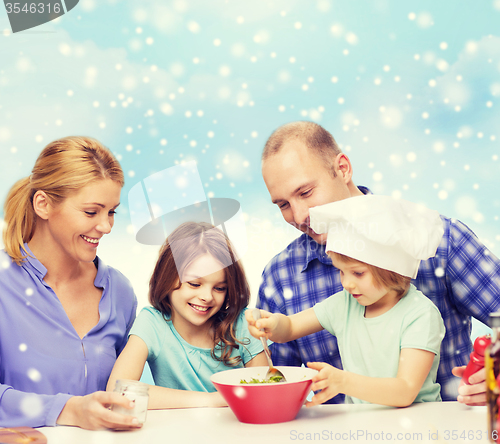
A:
273,371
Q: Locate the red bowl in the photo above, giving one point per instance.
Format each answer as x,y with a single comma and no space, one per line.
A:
266,403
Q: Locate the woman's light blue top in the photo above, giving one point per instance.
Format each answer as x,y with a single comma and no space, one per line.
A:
43,361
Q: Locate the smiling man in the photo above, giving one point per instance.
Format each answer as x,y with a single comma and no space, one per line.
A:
303,167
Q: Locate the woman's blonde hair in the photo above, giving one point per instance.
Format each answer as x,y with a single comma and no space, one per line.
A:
63,167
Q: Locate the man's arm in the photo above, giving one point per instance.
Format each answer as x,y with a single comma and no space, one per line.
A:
474,275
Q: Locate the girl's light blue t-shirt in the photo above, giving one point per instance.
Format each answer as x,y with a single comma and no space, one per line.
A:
177,364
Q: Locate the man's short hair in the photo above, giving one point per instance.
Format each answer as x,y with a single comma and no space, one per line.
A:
314,136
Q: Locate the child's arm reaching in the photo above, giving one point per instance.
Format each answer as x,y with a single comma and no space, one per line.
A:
401,391
281,328
130,365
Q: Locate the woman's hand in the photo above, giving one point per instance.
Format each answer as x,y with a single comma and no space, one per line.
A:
328,381
92,412
475,393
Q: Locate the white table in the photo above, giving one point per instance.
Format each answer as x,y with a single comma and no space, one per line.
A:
427,422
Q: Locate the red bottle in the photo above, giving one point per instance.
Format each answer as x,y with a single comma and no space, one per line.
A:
476,357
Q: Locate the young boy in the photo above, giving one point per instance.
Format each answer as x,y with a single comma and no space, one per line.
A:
389,334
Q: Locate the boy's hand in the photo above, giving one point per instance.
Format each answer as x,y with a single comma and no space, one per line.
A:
328,381
475,393
267,322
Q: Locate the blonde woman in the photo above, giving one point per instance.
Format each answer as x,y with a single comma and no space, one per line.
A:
64,314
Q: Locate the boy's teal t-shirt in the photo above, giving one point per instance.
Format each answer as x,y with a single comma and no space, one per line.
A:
177,364
371,346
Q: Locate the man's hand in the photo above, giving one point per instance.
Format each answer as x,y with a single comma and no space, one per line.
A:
475,393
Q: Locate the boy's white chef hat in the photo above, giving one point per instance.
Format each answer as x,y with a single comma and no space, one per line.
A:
392,234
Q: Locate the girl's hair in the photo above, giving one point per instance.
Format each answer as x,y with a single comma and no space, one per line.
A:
63,167
187,243
381,277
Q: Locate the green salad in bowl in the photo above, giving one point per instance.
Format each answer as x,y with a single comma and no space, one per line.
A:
272,379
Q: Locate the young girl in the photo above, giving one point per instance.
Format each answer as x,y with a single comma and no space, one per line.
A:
196,326
388,332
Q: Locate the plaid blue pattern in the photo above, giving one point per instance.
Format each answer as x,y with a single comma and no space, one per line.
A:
463,280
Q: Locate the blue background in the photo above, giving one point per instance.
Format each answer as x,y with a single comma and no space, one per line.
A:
410,90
